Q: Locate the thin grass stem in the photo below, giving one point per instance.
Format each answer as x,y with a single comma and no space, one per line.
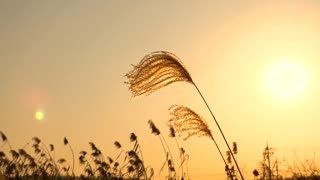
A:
145,172
169,154
225,162
224,138
73,174
180,154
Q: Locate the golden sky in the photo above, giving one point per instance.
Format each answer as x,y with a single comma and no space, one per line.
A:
68,59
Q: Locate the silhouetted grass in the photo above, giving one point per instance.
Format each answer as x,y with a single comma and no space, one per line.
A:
40,164
169,162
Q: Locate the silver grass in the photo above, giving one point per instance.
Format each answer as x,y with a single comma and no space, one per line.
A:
156,70
159,69
188,123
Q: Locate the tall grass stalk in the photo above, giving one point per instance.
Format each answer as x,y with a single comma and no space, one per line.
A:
159,69
5,140
224,138
181,150
66,142
134,138
166,149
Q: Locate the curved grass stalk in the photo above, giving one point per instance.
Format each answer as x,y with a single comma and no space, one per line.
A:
166,149
172,161
134,138
224,138
159,69
173,135
66,142
5,140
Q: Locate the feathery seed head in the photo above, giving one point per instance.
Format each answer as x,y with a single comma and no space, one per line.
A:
37,150
88,171
130,169
154,129
3,136
36,140
51,147
35,146
117,144
32,164
93,146
228,154
131,153
172,131
156,70
83,153
95,153
61,160
110,160
133,137
234,148
182,151
65,141
97,161
2,154
22,152
82,159
14,154
188,123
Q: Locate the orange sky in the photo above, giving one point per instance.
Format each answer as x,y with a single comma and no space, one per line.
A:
69,58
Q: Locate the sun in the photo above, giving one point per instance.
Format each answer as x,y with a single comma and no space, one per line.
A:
287,79
39,115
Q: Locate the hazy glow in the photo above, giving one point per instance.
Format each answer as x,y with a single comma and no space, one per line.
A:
63,65
39,115
286,79
34,96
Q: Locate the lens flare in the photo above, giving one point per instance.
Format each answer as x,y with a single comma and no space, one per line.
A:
39,115
34,97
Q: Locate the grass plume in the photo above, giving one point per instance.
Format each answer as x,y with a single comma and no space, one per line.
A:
187,123
156,70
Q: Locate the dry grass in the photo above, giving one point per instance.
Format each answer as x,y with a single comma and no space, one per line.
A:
155,71
40,163
160,69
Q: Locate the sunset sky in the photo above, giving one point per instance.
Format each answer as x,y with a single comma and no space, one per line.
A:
63,66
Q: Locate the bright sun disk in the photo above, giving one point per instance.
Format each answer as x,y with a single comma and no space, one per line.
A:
287,79
39,115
